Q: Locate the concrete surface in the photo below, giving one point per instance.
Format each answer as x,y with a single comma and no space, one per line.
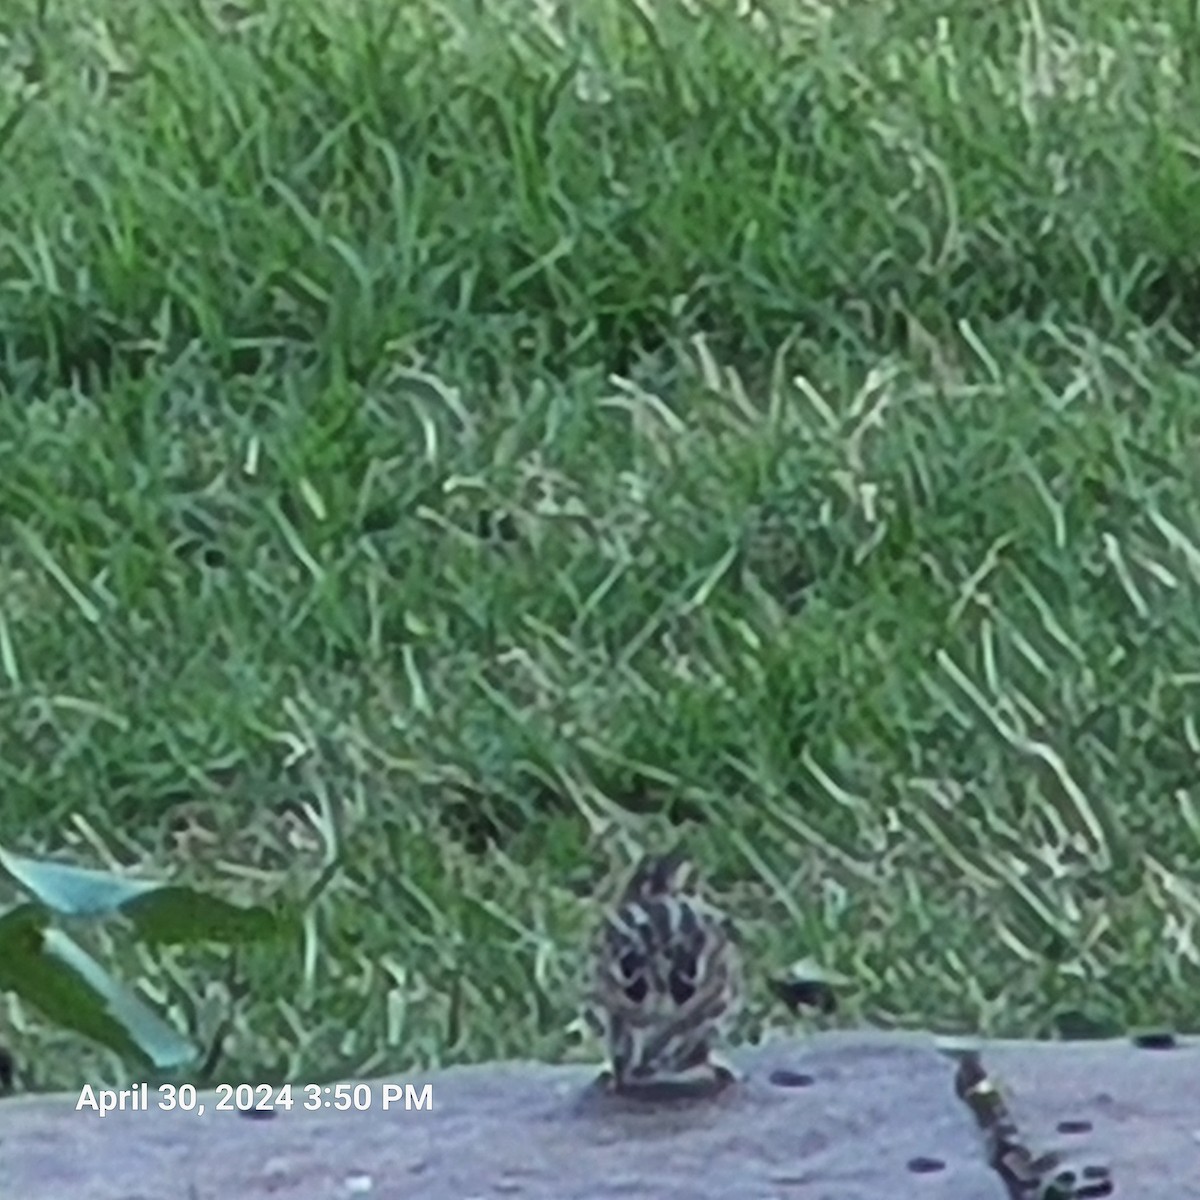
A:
1134,1112
838,1116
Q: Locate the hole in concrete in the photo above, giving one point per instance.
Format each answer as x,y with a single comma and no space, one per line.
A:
1155,1039
1064,1182
925,1166
785,1078
1091,1183
1074,1127
1096,1183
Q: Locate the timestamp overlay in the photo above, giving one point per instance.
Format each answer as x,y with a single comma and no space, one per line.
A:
257,1097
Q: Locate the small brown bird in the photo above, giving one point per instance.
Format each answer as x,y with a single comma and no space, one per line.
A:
666,979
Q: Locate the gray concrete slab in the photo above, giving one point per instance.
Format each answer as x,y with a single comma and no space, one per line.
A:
866,1107
838,1116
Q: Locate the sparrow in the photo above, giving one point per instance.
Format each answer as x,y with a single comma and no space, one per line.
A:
665,980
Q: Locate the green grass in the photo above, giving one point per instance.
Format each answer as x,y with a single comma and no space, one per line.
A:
448,446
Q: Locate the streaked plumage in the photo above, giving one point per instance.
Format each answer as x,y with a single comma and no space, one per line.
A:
666,979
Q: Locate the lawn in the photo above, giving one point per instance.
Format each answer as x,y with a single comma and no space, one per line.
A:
448,447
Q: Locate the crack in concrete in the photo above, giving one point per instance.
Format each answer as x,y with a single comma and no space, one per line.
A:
1025,1174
